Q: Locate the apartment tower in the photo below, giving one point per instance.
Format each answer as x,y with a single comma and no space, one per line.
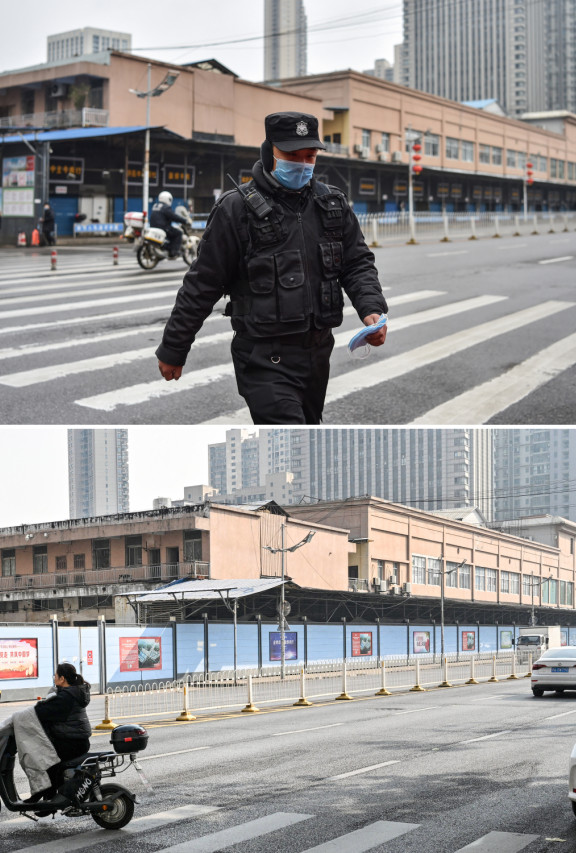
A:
285,39
98,472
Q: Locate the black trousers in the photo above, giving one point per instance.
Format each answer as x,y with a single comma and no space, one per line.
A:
284,379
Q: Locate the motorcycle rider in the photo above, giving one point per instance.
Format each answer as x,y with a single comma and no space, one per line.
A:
162,216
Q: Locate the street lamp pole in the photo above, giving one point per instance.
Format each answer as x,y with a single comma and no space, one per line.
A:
146,172
443,572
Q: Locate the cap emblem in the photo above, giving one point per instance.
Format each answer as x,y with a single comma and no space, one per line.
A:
302,128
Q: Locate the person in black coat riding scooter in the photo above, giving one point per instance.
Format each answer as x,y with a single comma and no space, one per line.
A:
162,216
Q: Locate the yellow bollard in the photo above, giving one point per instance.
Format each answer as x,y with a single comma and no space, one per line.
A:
493,669
445,683
302,701
344,694
417,687
529,673
472,679
383,691
513,676
250,707
106,723
185,715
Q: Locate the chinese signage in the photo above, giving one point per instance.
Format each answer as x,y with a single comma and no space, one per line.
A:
367,186
418,189
137,653
361,643
468,641
18,659
421,641
178,176
477,193
443,190
18,186
487,193
68,168
456,191
135,174
506,639
244,176
290,645
400,188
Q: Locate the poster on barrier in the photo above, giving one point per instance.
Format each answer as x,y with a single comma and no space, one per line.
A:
137,653
421,641
18,659
290,645
468,641
506,639
361,643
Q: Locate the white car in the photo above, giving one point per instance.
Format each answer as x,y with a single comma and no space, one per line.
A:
555,670
572,779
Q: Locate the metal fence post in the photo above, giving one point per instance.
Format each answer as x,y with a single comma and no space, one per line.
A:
250,707
417,686
344,694
445,683
185,715
383,691
472,679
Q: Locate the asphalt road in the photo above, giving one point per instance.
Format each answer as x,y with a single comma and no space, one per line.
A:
480,768
479,332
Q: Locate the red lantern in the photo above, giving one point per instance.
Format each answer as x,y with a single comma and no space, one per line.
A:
416,156
417,147
529,165
417,169
530,182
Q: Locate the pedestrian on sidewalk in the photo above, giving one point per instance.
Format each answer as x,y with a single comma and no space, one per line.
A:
47,222
283,247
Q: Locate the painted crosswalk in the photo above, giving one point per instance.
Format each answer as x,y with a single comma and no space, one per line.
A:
86,338
183,824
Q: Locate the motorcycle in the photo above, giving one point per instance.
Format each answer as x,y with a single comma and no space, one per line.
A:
151,244
111,806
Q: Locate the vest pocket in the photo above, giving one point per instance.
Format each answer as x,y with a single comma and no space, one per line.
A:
261,277
291,291
331,256
331,299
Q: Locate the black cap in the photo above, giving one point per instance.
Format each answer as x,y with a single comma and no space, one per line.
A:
292,131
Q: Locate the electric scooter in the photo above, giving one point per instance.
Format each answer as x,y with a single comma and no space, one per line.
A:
111,805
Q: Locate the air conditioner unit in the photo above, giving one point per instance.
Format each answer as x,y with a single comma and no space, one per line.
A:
407,588
396,156
376,583
58,90
384,157
357,148
364,153
394,590
379,149
391,579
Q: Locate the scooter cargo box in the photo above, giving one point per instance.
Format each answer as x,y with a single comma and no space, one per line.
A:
129,738
157,235
135,219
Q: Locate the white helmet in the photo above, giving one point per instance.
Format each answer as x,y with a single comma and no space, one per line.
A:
165,197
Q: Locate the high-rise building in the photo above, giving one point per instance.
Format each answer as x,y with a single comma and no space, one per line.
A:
98,472
425,468
84,41
519,52
535,473
285,39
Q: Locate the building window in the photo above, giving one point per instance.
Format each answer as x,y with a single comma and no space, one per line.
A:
511,159
61,563
496,156
491,580
452,148
40,559
79,561
95,44
484,154
366,139
432,145
8,562
101,553
480,579
418,569
192,546
434,571
467,151
451,576
133,550
385,142
464,577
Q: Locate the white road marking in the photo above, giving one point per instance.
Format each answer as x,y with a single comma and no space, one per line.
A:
515,246
132,395
442,254
366,838
166,754
413,711
141,824
565,714
236,834
313,729
75,306
486,737
128,291
557,260
499,842
76,282
480,403
363,770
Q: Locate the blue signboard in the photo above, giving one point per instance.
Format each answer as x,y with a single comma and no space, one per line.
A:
290,645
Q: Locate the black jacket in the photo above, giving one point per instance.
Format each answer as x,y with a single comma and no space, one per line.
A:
63,714
162,216
284,273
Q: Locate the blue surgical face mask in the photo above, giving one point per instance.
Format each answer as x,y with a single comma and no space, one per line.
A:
293,175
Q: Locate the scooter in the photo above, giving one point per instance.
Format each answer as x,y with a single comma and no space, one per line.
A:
111,806
151,244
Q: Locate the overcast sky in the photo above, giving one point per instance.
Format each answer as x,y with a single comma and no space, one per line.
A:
341,34
34,468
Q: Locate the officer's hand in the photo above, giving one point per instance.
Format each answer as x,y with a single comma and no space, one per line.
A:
170,371
378,338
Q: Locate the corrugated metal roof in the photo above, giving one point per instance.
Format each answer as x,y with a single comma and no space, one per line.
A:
78,133
208,590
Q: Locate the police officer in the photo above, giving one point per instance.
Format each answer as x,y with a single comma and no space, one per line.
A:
283,247
162,216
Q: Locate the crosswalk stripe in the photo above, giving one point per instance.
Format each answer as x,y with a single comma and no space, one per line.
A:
368,377
499,842
64,286
366,838
142,824
94,291
75,306
235,834
484,401
146,391
381,371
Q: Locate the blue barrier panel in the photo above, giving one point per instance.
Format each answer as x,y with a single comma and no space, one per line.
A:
99,228
139,654
190,647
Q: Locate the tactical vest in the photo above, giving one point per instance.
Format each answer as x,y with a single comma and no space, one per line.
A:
284,289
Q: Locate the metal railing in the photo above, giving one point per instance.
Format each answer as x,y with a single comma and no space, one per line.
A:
118,575
250,688
86,117
380,227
